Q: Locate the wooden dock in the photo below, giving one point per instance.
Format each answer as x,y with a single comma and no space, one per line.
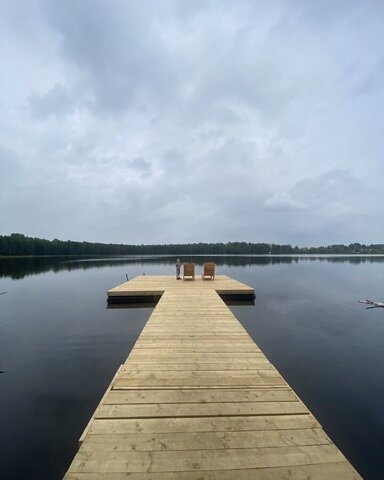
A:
197,399
146,288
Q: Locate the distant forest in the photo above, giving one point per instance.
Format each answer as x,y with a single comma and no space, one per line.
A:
18,244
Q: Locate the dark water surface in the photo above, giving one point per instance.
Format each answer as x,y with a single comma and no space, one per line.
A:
60,347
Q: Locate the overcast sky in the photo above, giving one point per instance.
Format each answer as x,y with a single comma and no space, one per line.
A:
185,121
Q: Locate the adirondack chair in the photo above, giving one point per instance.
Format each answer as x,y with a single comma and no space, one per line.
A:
189,271
209,271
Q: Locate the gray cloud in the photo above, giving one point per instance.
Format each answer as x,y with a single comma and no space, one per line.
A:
56,101
373,81
283,201
192,121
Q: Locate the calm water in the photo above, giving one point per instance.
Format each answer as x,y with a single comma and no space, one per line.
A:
60,347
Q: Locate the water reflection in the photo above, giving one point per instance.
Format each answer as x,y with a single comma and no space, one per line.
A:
143,304
230,300
19,268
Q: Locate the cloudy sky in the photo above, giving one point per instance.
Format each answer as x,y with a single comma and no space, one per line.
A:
181,121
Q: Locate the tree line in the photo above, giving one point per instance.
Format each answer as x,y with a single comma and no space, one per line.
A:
19,244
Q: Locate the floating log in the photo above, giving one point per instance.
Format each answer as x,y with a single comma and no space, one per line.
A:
372,304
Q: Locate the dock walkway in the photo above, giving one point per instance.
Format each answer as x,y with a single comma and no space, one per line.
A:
198,399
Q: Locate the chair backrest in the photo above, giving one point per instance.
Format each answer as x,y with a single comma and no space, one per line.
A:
209,269
189,269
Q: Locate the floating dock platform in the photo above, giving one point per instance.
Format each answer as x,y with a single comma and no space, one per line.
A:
148,288
197,399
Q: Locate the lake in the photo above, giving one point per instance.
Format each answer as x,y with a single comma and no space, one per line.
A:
60,346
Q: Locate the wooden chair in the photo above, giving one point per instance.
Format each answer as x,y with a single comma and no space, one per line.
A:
209,271
189,271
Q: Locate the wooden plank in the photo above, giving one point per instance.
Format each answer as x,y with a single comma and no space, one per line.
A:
245,381
243,345
193,324
195,460
185,355
207,424
228,375
177,332
325,471
200,409
116,397
207,440
197,337
190,350
169,367
200,387
184,359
